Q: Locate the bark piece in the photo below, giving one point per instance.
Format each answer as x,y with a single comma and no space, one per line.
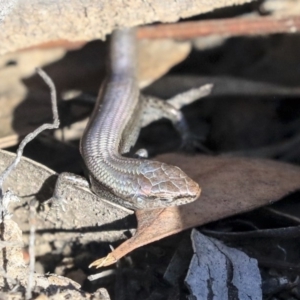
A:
221,271
82,215
31,22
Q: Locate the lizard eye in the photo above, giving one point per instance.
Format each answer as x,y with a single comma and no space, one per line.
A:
140,200
165,200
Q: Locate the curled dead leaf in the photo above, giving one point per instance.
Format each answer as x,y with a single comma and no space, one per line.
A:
229,186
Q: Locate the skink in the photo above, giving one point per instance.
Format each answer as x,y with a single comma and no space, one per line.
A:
113,129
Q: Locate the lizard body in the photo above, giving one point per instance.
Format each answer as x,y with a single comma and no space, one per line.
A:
113,129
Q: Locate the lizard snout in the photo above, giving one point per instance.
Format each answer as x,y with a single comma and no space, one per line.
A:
165,185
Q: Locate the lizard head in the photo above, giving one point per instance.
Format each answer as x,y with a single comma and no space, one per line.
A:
162,185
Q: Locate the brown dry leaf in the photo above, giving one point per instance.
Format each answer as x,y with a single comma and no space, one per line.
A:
25,106
229,186
157,57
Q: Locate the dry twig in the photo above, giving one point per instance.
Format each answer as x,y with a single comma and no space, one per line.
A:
222,27
37,131
7,196
32,209
186,30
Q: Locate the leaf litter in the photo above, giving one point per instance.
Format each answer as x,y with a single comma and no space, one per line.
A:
258,116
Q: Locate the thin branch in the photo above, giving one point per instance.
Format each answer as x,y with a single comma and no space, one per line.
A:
31,250
222,27
32,209
270,151
37,131
185,30
14,164
190,96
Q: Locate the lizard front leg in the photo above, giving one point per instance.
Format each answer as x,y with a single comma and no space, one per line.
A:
155,109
